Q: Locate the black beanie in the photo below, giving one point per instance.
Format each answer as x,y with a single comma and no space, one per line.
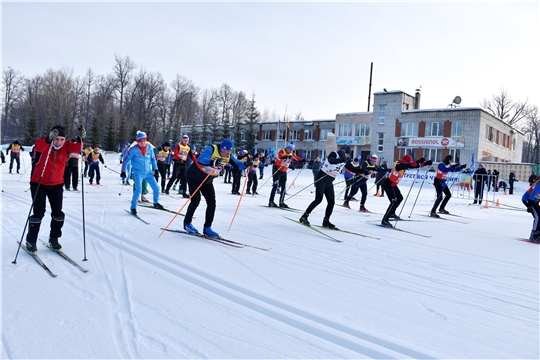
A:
61,130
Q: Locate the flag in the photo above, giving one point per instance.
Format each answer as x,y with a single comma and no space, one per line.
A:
288,124
472,164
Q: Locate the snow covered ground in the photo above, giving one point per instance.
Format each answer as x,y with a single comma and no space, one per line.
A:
468,290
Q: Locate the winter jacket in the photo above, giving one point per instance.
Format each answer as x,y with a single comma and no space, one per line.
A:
56,161
141,163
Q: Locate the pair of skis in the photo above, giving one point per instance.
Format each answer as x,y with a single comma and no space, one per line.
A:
59,252
218,239
317,227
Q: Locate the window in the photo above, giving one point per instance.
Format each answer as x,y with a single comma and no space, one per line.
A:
489,133
496,140
382,113
434,155
308,154
345,130
380,142
281,134
456,154
324,134
409,129
434,129
308,135
457,129
361,130
267,135
294,135
405,151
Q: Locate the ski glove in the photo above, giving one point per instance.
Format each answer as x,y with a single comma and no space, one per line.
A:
248,163
156,173
529,209
53,135
123,175
215,163
427,163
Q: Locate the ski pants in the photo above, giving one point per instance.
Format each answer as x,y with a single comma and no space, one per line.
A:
324,188
440,189
207,190
163,173
55,194
252,181
16,159
138,187
280,180
179,173
394,196
71,176
94,168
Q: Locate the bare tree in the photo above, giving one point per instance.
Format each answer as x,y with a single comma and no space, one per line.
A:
531,151
13,88
503,107
122,70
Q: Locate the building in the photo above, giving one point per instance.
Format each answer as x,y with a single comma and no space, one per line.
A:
397,126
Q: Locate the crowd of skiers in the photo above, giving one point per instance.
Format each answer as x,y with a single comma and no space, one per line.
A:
55,167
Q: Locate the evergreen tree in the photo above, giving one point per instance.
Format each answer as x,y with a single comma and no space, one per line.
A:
110,136
50,123
252,115
66,126
204,135
122,130
226,127
215,129
95,133
237,136
133,134
31,134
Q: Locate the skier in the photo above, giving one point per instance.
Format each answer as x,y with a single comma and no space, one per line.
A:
47,182
479,177
330,169
144,166
125,181
530,200
16,149
87,151
237,173
161,156
511,180
252,176
94,158
390,185
369,167
181,153
440,183
382,172
200,176
279,171
71,174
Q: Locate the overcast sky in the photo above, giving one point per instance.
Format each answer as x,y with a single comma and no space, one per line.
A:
312,58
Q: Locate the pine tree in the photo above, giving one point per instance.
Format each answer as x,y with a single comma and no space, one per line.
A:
66,126
226,127
95,139
122,130
215,129
31,134
237,136
193,136
110,136
252,115
49,125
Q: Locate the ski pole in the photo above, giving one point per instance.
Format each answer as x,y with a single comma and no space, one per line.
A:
290,197
305,165
33,201
25,170
271,177
183,206
82,200
105,166
415,200
239,200
404,202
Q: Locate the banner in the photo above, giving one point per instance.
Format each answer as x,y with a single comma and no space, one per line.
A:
431,142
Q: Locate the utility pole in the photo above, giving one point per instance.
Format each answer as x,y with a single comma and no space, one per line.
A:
369,93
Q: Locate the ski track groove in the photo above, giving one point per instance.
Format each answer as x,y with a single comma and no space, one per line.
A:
338,334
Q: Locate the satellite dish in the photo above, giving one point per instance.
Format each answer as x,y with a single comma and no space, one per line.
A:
457,100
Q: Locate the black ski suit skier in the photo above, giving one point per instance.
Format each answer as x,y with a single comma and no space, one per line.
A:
332,166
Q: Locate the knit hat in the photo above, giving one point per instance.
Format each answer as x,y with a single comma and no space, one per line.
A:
448,158
290,146
166,143
345,149
127,143
407,158
244,152
141,135
226,144
96,148
186,138
61,130
374,158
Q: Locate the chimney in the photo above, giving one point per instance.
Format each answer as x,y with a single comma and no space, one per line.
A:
417,99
